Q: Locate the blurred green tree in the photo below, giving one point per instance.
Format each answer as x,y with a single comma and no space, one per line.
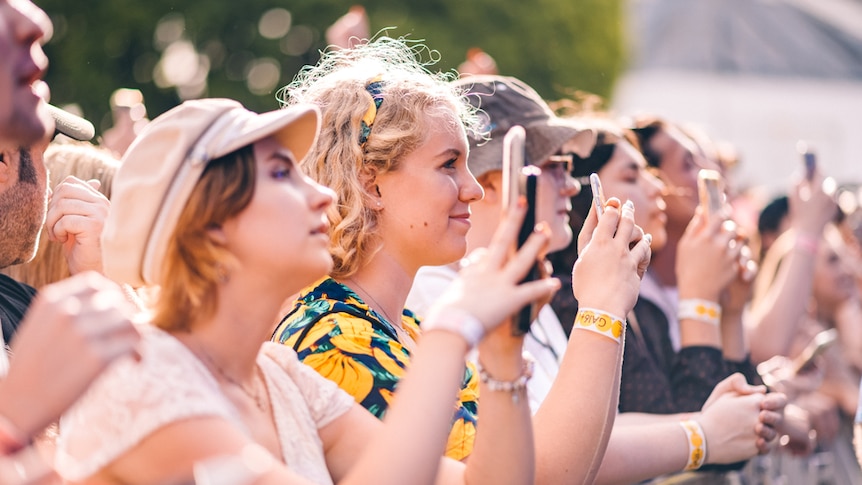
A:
247,50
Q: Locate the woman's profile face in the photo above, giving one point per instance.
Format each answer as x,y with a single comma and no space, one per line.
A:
832,283
283,231
625,177
555,189
424,203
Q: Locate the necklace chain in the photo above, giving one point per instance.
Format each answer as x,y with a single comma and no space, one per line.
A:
396,324
255,396
390,320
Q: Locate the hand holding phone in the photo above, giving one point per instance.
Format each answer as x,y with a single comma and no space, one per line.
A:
819,344
809,158
710,192
598,193
519,180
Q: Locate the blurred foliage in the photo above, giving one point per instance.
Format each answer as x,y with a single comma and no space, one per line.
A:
557,46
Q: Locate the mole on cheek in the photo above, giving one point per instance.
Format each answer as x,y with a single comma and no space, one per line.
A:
425,223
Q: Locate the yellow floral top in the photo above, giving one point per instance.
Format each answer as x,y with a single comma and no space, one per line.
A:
337,334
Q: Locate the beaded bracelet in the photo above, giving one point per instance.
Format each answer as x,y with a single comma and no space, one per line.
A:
600,322
701,310
514,387
455,321
696,444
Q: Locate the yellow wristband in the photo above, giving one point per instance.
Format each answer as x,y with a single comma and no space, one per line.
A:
601,322
696,444
701,310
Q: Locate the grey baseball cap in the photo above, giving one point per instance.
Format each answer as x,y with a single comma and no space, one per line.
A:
505,102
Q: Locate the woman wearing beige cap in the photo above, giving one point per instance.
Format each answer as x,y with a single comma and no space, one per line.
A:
209,205
394,148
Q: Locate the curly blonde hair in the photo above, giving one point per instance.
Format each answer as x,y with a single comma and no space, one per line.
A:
413,99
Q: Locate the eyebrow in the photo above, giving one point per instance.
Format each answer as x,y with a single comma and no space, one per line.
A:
284,155
449,152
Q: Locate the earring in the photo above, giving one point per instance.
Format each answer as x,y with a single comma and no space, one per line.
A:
222,273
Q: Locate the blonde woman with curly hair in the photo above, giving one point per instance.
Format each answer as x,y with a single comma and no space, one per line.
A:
393,147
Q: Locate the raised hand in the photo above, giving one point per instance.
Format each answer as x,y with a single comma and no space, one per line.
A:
76,215
488,287
613,254
73,330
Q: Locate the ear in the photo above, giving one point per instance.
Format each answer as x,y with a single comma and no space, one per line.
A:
373,197
217,234
8,169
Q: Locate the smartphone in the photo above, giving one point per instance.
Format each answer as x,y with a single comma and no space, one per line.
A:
598,193
710,192
822,341
520,179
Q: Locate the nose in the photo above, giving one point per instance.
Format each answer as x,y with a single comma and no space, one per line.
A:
470,189
571,187
29,23
320,196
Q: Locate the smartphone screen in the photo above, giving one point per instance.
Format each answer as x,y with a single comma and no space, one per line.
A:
710,191
809,158
810,164
598,193
519,180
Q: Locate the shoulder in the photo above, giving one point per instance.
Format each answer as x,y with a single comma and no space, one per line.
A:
132,399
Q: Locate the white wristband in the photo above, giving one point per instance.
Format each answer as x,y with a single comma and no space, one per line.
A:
701,310
455,321
696,444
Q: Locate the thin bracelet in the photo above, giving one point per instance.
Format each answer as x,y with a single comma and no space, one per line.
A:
515,386
701,310
457,321
11,438
696,444
806,243
601,322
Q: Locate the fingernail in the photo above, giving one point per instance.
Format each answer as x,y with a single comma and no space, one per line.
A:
542,227
629,205
648,238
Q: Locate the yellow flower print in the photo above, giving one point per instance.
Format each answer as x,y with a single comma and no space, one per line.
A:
350,375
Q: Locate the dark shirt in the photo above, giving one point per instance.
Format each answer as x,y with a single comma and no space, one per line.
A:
15,298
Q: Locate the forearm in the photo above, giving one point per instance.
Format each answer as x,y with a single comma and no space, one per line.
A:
422,410
695,333
505,434
775,319
572,426
641,451
733,345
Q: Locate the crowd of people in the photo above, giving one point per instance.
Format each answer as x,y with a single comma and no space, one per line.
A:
330,291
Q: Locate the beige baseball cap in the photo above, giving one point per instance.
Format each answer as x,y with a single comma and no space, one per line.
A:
160,169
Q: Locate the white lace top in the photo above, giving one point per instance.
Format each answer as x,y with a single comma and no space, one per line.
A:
132,399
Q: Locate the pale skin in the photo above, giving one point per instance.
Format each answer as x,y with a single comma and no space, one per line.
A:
23,116
625,176
356,445
692,235
644,446
775,318
421,228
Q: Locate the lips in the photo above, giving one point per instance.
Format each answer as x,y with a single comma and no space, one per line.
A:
321,229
